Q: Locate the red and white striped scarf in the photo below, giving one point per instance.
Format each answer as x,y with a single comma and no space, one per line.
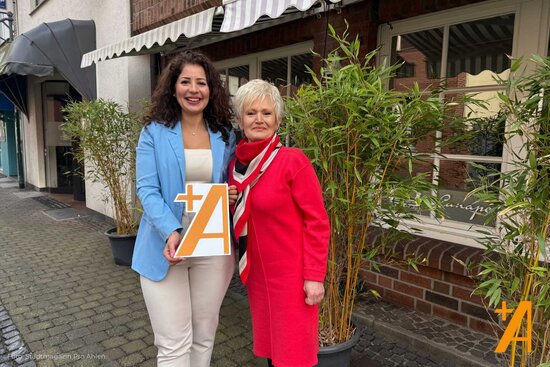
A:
252,161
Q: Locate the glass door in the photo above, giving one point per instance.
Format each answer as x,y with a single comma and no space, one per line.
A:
57,148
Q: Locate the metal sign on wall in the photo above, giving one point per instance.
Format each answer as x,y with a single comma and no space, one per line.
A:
2,4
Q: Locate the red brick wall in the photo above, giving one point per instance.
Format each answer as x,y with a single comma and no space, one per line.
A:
149,14
392,10
442,287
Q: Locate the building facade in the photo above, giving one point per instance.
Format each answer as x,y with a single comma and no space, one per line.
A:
125,80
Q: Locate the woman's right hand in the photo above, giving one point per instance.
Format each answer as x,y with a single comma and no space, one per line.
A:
232,192
170,248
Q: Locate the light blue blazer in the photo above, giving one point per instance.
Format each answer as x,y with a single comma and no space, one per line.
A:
160,176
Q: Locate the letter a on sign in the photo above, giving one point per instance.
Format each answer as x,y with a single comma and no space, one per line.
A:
208,234
523,311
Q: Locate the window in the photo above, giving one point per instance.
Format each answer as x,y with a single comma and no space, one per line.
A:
284,67
234,77
464,50
35,4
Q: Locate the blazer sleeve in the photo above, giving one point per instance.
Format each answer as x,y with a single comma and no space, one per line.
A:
307,194
155,209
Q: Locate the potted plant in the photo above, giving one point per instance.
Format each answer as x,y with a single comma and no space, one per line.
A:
107,137
361,139
516,266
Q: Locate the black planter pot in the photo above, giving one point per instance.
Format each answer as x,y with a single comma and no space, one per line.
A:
338,355
122,246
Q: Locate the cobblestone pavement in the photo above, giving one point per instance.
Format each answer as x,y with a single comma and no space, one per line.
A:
403,337
63,302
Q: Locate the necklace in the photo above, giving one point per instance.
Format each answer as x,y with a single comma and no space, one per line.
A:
194,133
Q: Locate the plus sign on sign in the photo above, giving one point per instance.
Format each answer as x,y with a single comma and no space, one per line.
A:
208,233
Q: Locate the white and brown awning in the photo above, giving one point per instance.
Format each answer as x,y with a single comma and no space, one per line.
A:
211,25
241,14
189,27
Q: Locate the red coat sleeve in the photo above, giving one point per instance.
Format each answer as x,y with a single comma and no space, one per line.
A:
307,194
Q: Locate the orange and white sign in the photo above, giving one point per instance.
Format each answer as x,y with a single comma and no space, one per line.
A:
208,234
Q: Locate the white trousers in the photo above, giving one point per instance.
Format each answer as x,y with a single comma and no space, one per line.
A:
184,309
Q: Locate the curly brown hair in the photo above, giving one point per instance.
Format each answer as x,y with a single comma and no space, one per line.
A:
166,110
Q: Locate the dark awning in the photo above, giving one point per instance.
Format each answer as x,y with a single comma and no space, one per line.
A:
49,47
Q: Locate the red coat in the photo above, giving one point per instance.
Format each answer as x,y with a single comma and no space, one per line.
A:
288,237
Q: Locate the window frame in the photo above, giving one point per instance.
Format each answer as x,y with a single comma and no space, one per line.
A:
531,20
35,4
254,60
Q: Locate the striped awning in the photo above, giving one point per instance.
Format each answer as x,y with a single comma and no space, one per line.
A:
211,25
241,14
190,26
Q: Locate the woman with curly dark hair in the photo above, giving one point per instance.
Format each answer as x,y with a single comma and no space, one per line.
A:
187,138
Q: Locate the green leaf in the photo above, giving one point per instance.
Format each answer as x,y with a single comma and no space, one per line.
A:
375,293
541,240
488,282
495,298
515,285
532,161
516,63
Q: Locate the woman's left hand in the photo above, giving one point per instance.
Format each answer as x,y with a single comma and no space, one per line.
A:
232,190
315,291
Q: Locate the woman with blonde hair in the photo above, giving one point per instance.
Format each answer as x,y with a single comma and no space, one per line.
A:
282,231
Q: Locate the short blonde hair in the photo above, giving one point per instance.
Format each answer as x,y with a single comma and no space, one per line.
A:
258,89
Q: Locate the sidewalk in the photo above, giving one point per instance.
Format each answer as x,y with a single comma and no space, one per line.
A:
63,302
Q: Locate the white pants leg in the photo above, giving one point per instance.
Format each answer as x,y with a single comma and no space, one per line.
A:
184,309
209,279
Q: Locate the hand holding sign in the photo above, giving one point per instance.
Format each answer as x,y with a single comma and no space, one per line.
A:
208,233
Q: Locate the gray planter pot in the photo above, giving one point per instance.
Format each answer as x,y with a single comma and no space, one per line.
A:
122,246
338,355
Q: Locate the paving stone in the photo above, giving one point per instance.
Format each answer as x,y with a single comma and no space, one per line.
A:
6,324
102,317
114,342
14,346
37,335
149,363
133,346
149,352
54,340
71,344
136,334
131,360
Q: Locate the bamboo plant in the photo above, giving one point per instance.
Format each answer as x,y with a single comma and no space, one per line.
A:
360,137
107,137
520,205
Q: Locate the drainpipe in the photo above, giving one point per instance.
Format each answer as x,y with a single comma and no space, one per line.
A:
19,150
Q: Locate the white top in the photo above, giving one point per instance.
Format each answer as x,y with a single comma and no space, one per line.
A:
198,165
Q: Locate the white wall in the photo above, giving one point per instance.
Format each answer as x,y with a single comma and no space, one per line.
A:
33,135
125,80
